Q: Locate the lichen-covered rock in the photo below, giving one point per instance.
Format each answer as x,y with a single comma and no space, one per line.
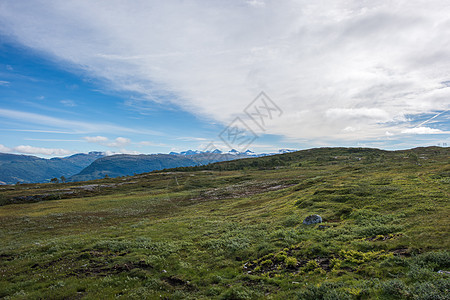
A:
312,219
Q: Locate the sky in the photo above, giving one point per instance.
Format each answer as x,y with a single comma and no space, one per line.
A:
145,76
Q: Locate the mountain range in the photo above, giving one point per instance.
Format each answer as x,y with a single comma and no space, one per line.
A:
27,169
232,152
95,165
125,164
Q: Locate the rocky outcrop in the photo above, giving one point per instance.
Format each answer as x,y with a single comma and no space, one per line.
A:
312,219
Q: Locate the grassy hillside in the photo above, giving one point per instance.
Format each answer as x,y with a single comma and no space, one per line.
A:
234,231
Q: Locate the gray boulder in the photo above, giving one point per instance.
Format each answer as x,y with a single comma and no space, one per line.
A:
312,219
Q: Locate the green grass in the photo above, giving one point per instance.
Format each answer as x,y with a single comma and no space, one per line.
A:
236,232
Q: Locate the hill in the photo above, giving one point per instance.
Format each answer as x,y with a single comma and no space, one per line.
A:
28,169
233,230
31,169
124,164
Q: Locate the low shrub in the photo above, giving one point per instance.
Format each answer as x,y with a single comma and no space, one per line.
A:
237,293
437,290
394,288
434,260
326,291
290,262
311,265
291,221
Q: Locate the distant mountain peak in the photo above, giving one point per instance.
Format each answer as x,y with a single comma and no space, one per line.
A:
247,152
190,152
96,153
234,152
286,151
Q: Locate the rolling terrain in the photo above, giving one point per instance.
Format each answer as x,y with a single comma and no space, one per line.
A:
28,169
96,165
233,230
125,164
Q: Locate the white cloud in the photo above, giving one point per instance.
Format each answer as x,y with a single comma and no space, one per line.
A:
4,83
4,148
125,151
26,149
73,126
43,151
423,130
119,142
51,140
256,3
68,103
96,139
191,139
349,64
122,151
145,143
375,114
149,143
350,129
42,131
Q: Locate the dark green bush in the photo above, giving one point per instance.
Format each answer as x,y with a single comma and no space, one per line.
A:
435,260
291,221
373,230
394,288
367,217
237,293
326,291
438,290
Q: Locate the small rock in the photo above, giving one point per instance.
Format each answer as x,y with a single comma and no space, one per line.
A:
313,219
443,272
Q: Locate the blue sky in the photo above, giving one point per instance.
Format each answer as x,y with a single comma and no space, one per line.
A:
152,77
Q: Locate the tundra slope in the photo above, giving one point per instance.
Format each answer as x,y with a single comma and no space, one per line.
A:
234,230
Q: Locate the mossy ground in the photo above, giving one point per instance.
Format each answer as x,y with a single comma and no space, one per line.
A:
237,233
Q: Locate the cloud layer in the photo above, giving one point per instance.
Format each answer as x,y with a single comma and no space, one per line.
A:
119,142
26,149
347,70
70,125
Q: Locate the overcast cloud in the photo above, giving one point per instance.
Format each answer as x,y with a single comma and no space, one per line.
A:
346,70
